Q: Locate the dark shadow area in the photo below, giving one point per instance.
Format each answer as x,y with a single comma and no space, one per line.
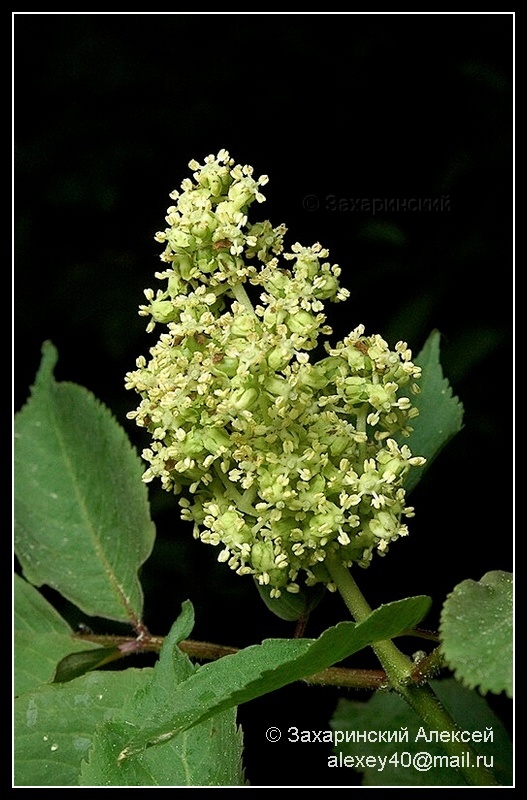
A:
387,138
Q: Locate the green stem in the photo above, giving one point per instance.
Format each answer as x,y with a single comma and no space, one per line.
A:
242,297
399,668
396,665
332,676
361,428
242,502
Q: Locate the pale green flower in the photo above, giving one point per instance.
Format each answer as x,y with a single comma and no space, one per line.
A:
278,460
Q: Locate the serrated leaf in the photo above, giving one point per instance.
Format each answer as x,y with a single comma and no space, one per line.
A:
208,755
263,668
388,713
477,632
41,638
440,413
82,522
54,725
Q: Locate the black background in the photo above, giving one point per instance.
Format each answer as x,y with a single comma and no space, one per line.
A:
109,109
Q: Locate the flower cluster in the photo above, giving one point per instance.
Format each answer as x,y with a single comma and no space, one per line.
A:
277,460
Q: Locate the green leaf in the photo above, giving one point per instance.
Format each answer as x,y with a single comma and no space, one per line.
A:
55,725
292,606
391,762
82,522
440,413
60,725
41,638
75,664
477,632
208,755
263,668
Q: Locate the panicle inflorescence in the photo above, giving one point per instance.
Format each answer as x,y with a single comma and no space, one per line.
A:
278,460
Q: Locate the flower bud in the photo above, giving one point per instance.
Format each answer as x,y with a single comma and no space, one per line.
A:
243,325
240,194
302,322
163,311
214,439
279,357
242,399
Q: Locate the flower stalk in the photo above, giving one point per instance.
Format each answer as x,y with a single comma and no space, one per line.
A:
421,698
